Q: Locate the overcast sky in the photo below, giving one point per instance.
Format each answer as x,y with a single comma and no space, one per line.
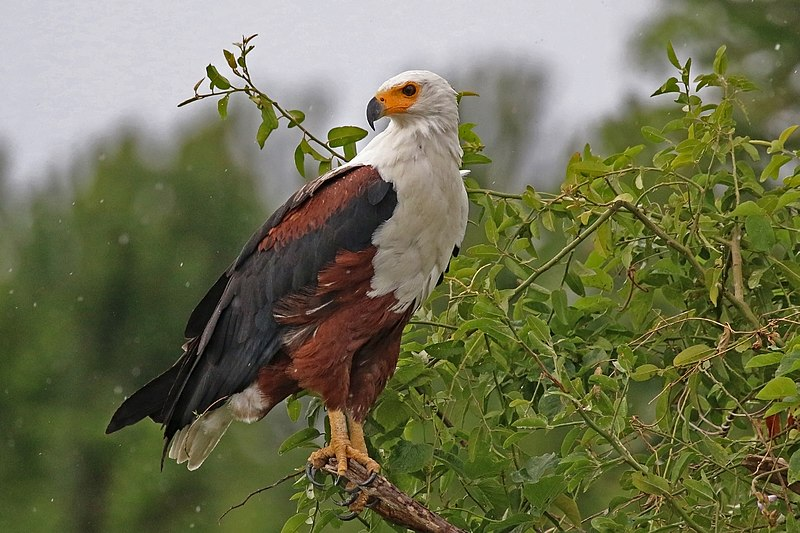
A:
73,71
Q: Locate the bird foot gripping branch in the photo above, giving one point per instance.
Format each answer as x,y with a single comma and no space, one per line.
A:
345,446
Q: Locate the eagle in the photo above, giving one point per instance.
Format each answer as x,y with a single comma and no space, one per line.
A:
318,297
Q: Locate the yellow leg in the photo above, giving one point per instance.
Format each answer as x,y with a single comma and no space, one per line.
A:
357,436
344,445
360,444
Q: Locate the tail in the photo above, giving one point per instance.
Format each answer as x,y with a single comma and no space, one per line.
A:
147,401
194,443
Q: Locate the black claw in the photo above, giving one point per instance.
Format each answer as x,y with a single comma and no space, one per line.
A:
311,472
372,502
346,517
367,482
354,493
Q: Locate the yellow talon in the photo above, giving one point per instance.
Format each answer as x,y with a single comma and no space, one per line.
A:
342,448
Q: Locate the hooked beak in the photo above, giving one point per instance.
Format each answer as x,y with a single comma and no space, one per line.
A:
375,111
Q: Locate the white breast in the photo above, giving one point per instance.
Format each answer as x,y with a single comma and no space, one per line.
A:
415,245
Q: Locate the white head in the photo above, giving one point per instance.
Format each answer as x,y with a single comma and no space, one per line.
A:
416,96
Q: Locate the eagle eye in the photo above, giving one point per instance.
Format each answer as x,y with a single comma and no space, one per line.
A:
409,90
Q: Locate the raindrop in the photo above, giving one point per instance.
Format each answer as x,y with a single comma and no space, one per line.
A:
181,265
197,509
124,239
777,46
159,186
118,389
35,304
11,291
136,371
187,284
101,157
102,200
79,298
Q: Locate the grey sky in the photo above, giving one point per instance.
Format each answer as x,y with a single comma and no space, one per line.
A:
73,71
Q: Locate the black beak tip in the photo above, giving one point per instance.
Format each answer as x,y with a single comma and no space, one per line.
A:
374,112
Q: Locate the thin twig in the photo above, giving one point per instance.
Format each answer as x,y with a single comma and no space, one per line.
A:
567,249
259,491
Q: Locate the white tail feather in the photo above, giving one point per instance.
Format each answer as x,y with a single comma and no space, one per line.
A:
194,443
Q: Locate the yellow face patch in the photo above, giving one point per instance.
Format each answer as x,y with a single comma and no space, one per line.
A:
399,98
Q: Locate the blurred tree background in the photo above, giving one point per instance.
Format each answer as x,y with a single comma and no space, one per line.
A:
101,268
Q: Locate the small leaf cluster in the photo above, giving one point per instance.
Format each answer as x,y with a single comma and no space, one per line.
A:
323,152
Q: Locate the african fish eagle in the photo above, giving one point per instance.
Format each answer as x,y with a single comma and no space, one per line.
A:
318,298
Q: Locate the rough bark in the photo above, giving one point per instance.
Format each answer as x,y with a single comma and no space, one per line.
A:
394,505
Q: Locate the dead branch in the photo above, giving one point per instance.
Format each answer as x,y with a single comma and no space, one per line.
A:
393,504
774,470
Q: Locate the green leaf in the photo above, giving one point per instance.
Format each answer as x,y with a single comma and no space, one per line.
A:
531,422
542,493
764,359
341,135
217,79
669,86
693,354
790,270
784,136
748,208
474,158
222,106
652,134
672,56
297,117
777,389
569,507
703,489
230,59
759,232
410,457
536,468
263,133
295,523
794,467
650,483
298,439
720,65
293,408
591,167
269,122
774,166
300,160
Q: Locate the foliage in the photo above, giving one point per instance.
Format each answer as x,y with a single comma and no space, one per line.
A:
649,381
102,271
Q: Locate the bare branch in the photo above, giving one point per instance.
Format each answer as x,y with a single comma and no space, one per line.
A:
393,504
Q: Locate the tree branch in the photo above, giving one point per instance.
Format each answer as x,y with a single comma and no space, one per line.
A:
393,504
